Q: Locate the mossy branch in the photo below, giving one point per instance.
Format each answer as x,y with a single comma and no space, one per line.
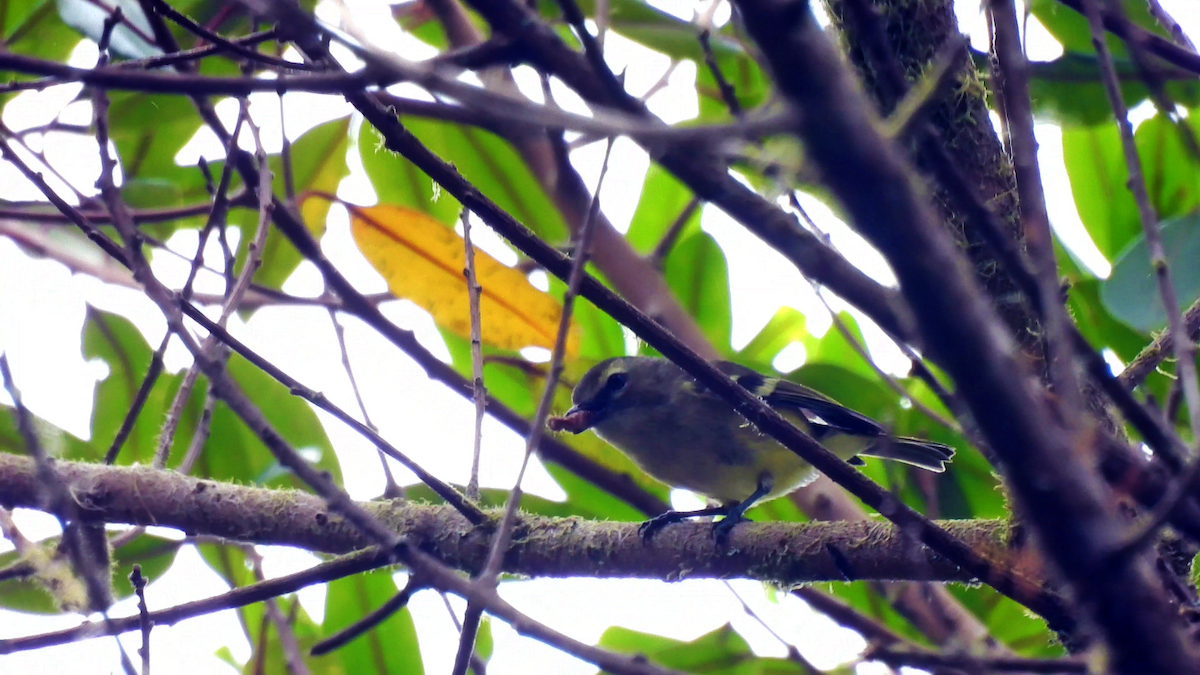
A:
780,553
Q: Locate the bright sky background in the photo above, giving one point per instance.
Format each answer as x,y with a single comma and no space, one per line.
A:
42,312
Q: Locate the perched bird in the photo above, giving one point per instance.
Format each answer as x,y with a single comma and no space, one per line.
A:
686,436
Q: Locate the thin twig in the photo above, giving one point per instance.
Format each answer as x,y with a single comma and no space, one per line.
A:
938,662
1013,81
377,616
491,569
478,388
139,587
1161,348
292,657
728,93
391,488
230,46
793,652
1169,24
1182,345
338,568
216,219
658,257
139,401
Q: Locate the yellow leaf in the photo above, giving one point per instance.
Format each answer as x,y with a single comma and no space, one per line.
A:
423,261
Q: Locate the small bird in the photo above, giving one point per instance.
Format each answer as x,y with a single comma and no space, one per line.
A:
686,436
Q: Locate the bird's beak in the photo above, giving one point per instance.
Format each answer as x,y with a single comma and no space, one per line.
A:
578,419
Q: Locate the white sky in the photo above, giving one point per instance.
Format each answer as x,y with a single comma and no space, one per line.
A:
42,311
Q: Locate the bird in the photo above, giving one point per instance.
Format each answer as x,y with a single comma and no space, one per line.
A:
685,436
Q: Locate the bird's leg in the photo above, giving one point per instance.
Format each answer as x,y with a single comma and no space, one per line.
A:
650,527
736,513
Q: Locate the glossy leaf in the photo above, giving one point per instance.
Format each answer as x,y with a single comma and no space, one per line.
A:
1098,173
1131,292
493,166
697,274
423,261
833,348
786,327
662,201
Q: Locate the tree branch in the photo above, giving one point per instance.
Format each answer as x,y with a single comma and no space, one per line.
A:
782,553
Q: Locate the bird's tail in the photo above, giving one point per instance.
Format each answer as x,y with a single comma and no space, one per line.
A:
925,454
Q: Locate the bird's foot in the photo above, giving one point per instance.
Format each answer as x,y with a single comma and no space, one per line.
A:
720,529
651,527
724,527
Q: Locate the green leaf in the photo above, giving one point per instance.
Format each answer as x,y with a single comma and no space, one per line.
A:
54,441
231,563
1102,329
398,181
154,554
115,340
786,327
485,644
516,388
1068,90
1096,166
1008,622
662,201
834,348
491,164
1131,292
34,28
751,86
600,334
654,28
390,647
235,453
697,274
1071,28
1097,170
318,163
721,652
150,129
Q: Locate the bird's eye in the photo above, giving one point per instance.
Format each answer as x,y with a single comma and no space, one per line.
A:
616,382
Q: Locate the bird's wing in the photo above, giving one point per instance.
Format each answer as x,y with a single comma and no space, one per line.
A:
784,395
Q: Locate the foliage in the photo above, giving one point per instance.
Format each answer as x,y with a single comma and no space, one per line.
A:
148,130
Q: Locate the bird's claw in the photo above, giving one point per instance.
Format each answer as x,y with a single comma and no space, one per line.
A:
724,527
